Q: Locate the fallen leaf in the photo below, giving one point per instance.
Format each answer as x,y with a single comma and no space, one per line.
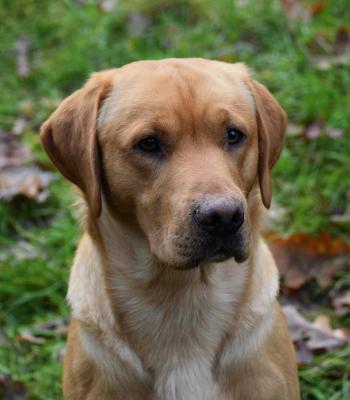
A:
28,337
23,250
27,180
58,325
294,130
108,5
11,389
334,133
303,353
323,322
326,62
12,152
326,54
322,63
19,176
313,131
310,338
295,10
342,40
317,7
302,257
320,45
340,219
22,46
19,126
341,303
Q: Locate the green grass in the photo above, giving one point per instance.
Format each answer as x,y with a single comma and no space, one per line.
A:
68,42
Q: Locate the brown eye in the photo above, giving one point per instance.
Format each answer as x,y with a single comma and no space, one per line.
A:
234,136
150,144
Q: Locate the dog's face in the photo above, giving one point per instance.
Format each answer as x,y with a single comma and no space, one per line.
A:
180,147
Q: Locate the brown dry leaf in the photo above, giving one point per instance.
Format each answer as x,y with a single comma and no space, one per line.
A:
342,40
341,303
12,390
325,54
19,176
28,337
26,180
108,5
13,153
296,10
302,257
334,133
317,7
314,130
313,337
294,130
59,325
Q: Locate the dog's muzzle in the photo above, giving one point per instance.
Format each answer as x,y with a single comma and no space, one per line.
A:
217,226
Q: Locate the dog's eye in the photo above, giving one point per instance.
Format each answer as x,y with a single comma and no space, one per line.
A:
234,136
150,144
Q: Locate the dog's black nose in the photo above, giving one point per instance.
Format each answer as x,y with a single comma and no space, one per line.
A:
219,214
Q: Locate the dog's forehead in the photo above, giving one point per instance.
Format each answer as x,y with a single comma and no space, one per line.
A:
176,84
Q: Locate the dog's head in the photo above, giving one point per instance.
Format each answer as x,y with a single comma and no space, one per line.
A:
180,149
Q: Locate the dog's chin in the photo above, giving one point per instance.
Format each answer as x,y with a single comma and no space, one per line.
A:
205,250
219,256
239,255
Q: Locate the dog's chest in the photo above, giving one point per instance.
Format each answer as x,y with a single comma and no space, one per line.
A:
177,335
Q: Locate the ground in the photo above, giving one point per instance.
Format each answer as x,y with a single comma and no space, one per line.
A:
302,56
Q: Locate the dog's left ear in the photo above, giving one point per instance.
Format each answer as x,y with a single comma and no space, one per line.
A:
69,137
271,122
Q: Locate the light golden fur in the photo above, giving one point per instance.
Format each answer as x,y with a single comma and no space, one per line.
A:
144,325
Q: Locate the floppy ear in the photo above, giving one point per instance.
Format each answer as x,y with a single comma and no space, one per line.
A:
271,122
69,137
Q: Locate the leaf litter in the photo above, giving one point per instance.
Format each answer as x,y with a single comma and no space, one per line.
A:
303,257
19,173
312,338
11,389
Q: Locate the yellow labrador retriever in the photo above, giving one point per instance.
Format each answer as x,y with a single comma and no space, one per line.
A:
173,291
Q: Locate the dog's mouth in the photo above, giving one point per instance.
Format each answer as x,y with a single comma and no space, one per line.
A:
215,250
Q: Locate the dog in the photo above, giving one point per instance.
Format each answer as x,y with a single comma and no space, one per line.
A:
172,290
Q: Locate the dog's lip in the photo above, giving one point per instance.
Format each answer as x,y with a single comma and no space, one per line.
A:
217,254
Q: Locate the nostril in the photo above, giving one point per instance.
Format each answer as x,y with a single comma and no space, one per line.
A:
238,218
206,216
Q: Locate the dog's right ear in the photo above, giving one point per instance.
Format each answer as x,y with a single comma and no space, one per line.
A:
69,137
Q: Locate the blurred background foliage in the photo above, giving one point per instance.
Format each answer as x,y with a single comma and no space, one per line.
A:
298,49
